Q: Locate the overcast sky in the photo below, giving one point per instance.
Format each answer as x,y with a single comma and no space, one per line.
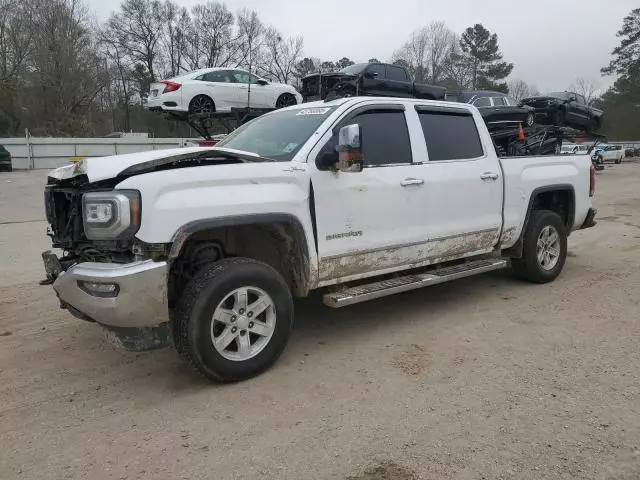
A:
550,42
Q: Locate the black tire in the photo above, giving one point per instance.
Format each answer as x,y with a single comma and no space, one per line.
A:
201,104
559,117
286,100
618,161
528,267
530,120
203,294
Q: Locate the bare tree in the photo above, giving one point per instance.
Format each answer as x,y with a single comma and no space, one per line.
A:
16,45
16,37
211,39
585,87
250,37
139,27
65,69
280,56
427,51
120,69
459,67
414,53
178,23
519,89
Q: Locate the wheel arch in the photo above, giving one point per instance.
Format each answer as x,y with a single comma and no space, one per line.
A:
559,198
278,239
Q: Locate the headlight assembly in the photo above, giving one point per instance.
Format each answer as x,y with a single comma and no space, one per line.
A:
111,215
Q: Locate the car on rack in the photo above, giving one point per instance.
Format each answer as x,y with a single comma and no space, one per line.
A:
214,90
368,79
609,153
5,160
359,198
565,108
497,109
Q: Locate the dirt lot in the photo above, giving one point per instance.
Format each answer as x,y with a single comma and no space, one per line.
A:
485,378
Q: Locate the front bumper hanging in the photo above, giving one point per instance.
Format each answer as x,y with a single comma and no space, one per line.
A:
130,295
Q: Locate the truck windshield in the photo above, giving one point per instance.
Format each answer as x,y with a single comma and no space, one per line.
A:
278,135
354,69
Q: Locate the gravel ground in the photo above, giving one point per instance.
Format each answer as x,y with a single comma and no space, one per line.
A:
484,378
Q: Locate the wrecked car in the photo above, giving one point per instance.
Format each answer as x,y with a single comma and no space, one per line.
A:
565,108
498,109
368,79
206,248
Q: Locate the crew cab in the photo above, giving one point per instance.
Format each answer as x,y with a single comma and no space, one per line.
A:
565,108
374,79
205,248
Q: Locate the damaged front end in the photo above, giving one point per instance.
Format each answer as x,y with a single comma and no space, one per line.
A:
323,86
104,274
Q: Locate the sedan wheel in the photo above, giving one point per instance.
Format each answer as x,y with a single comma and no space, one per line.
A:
286,100
202,104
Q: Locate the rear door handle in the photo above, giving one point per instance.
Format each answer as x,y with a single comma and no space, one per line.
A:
489,176
411,181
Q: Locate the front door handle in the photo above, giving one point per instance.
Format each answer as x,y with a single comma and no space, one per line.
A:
411,181
489,176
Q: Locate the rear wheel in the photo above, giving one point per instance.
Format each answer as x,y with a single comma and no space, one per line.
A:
544,250
286,100
233,319
201,104
530,120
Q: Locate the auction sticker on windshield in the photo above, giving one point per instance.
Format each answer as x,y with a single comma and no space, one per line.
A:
313,111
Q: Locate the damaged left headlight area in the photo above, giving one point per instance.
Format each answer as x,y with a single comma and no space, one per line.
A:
90,223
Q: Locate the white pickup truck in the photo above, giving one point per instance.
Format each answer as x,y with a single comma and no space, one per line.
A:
359,197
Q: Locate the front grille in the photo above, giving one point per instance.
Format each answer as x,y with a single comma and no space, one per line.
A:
63,207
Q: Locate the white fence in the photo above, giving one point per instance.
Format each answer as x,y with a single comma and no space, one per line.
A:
46,152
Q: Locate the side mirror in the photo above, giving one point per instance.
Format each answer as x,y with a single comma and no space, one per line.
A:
370,75
262,81
327,160
350,149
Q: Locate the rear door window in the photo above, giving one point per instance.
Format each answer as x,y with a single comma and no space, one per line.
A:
396,73
482,102
220,76
377,68
450,135
499,102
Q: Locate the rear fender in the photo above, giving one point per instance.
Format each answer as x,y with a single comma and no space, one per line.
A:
516,250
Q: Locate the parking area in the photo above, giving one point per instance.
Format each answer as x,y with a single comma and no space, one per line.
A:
483,378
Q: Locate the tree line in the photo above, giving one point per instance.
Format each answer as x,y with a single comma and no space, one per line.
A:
61,73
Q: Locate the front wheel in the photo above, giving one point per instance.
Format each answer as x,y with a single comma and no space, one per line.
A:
233,319
545,248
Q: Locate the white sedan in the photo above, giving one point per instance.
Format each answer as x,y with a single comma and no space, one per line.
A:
218,90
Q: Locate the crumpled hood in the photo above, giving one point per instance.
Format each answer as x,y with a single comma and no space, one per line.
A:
102,168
